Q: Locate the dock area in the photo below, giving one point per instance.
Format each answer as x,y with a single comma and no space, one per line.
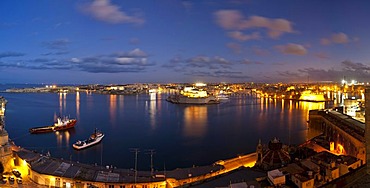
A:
49,171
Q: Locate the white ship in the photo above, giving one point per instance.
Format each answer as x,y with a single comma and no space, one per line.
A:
94,138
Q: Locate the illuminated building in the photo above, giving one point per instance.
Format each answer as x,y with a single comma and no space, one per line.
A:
5,147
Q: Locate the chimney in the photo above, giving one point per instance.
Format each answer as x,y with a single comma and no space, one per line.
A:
367,129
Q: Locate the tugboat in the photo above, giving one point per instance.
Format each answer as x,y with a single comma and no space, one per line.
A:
94,138
61,124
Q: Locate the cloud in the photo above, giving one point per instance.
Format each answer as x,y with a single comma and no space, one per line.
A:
322,55
11,54
201,61
234,20
355,67
104,11
197,62
293,49
349,69
260,52
237,35
249,62
58,44
132,61
39,64
236,48
206,66
337,38
55,53
219,74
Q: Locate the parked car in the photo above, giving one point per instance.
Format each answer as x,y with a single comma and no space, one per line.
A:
11,179
16,173
3,179
19,180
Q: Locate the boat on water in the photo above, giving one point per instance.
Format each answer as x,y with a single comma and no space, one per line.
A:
223,97
94,138
191,95
61,124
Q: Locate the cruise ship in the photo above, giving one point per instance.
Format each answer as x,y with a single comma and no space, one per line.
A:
192,95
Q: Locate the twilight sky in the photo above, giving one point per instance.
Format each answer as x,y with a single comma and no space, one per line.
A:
124,41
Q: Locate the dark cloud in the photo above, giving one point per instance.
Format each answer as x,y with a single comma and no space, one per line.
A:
40,63
133,61
11,54
248,62
199,62
357,67
58,44
348,69
290,74
55,53
219,74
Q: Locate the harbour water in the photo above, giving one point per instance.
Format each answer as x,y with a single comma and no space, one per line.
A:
180,135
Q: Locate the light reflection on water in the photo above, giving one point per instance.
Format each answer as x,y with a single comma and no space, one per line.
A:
182,135
195,121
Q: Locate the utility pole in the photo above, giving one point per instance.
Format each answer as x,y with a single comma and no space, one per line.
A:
136,150
151,152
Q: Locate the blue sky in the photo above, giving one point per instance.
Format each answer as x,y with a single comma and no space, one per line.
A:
117,41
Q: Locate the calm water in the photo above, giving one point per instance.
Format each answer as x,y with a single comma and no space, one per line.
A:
181,135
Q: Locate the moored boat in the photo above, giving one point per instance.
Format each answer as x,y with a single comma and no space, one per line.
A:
94,138
61,124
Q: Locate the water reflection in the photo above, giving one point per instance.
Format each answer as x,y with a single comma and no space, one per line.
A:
62,102
113,108
60,135
195,120
78,105
152,109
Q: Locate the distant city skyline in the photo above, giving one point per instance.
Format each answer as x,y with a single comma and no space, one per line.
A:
111,41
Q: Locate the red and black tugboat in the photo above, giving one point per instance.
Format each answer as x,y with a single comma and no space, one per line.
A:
61,124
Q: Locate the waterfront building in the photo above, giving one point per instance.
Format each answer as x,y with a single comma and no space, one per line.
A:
5,147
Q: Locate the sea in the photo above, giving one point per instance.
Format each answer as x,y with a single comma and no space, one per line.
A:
166,135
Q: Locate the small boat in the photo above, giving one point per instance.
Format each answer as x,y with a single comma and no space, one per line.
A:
94,138
61,124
